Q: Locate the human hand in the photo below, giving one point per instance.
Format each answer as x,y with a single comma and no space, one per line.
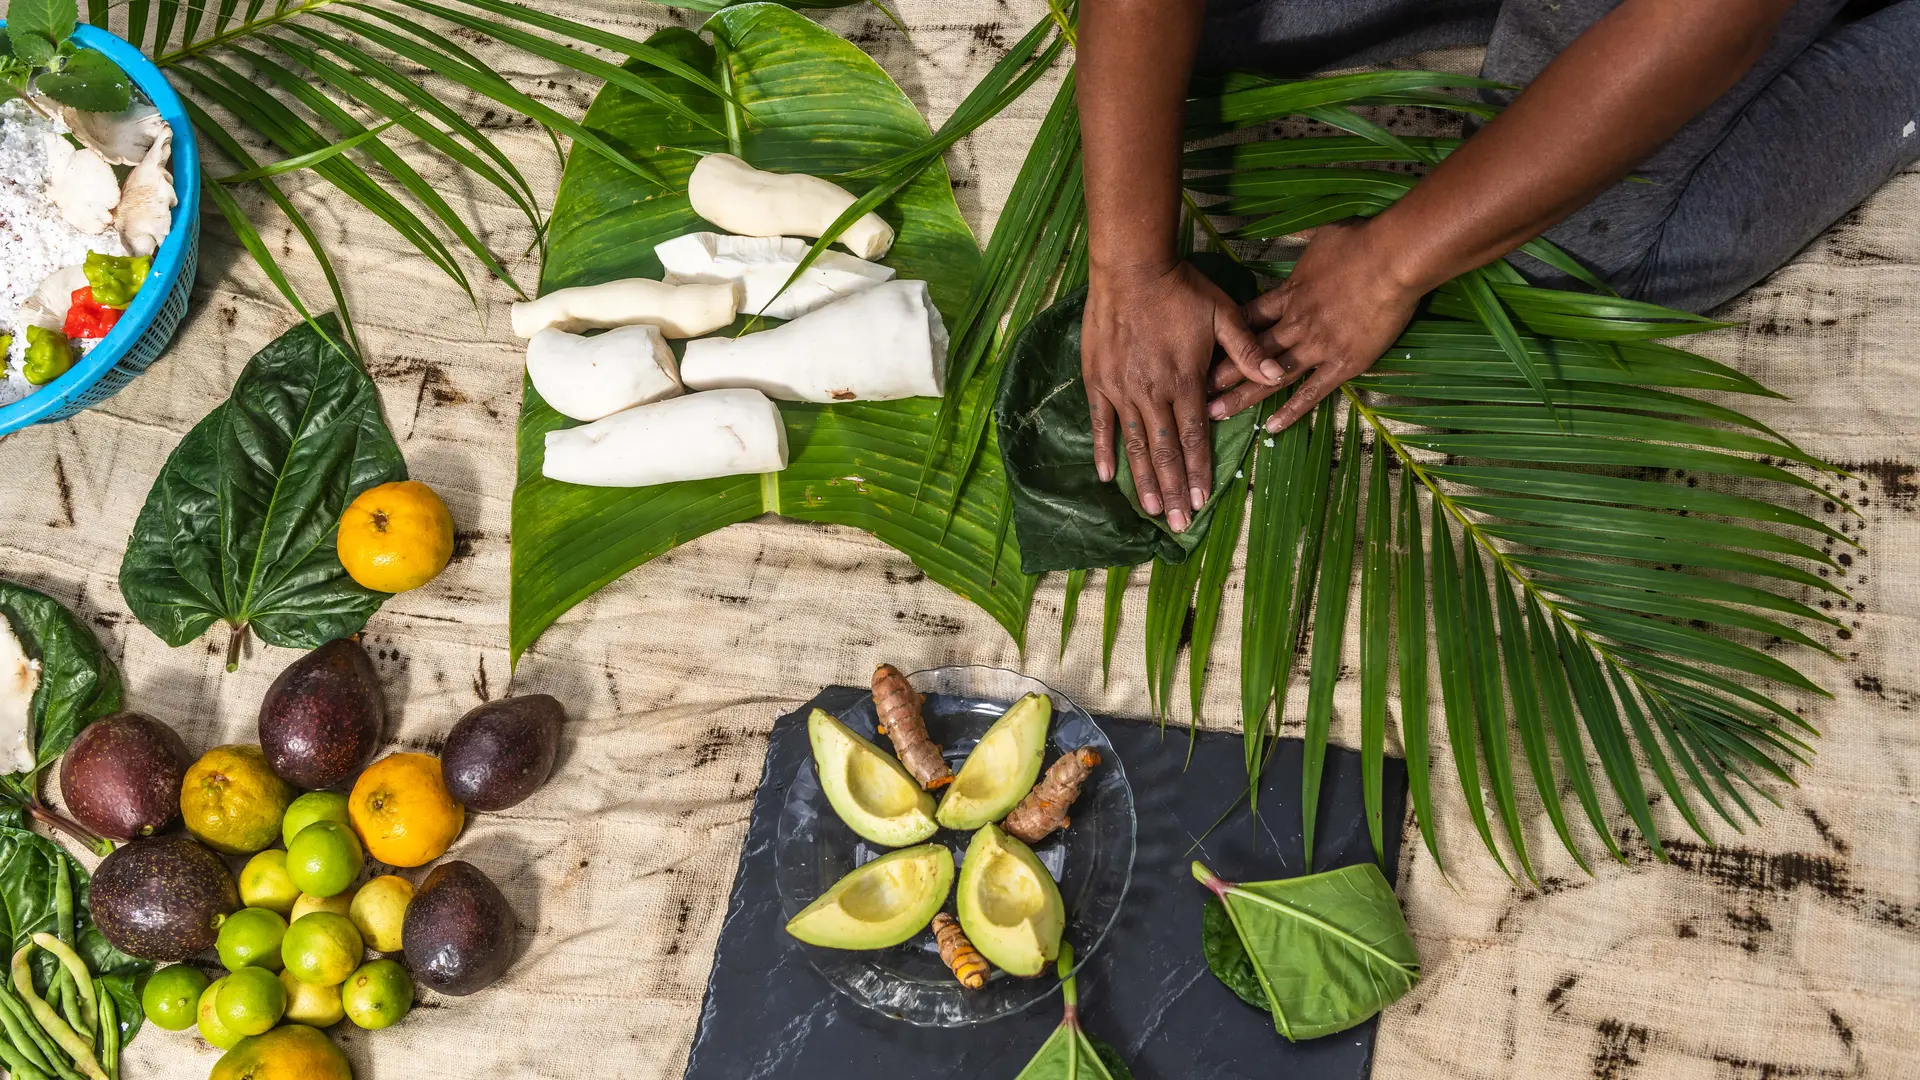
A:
1339,311
1146,343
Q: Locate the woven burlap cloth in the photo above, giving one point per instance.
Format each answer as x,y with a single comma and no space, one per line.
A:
1790,951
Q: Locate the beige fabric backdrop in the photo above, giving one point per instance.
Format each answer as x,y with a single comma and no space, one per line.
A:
1791,951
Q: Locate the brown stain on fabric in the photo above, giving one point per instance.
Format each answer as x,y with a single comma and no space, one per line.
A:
1617,1055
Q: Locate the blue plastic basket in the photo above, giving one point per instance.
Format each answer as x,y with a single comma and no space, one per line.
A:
146,328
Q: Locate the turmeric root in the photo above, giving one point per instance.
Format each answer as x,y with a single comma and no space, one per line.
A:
898,706
1045,807
958,953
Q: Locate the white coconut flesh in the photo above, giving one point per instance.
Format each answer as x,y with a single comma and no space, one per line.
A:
19,678
763,265
882,344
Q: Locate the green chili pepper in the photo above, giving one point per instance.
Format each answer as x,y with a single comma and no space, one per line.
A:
48,355
116,278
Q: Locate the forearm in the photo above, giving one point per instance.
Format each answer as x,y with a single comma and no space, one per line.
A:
1135,57
1601,107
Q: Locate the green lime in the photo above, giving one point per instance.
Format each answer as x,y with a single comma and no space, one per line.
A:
377,995
264,882
324,858
322,948
217,1034
315,1006
172,995
251,937
251,1000
309,808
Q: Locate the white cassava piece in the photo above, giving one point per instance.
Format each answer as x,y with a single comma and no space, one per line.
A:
696,437
762,265
879,345
588,378
680,311
753,202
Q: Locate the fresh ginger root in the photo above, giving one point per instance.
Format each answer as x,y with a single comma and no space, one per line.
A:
1045,807
898,706
958,953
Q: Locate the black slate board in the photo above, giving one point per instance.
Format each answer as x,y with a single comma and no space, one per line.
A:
769,1015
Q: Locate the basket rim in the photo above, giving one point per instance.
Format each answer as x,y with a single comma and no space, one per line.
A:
168,262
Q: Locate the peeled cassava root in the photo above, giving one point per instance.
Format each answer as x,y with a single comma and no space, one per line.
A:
1045,807
752,202
680,311
762,265
588,378
696,437
882,344
897,704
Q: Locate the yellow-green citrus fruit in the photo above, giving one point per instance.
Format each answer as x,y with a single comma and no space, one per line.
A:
308,904
265,883
379,911
232,801
309,808
211,1027
250,1001
377,995
322,948
251,937
324,859
288,1052
318,1006
172,995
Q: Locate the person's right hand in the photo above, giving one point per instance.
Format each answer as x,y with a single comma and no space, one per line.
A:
1146,343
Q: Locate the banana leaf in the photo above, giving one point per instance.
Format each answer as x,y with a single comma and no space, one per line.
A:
813,103
1063,515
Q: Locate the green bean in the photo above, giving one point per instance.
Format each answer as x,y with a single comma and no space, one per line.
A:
82,985
19,1037
109,1033
61,996
76,1047
63,900
19,1066
49,1052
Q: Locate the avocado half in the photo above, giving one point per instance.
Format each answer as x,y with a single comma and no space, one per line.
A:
1002,767
868,787
1008,904
881,904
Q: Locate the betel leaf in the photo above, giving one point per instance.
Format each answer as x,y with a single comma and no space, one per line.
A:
1321,952
239,526
1064,517
89,82
1070,1053
37,27
78,681
30,867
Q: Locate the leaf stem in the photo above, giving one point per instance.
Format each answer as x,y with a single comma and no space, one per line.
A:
40,812
245,29
235,639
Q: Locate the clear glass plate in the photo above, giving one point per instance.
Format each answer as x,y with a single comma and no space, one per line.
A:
1092,860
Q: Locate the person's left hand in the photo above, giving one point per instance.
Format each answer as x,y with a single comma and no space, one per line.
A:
1343,305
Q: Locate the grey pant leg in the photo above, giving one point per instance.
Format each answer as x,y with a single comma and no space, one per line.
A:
1836,125
1295,37
1798,142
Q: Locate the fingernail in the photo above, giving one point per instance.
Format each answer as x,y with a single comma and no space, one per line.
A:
1104,471
1177,518
1199,496
1152,503
1271,370
1217,410
1274,424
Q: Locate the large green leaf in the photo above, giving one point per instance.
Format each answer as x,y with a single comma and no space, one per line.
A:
78,681
818,105
1064,516
239,526
1321,953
